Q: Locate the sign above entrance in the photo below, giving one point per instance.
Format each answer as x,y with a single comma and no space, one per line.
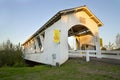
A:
56,36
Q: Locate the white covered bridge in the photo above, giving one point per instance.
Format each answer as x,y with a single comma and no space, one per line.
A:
51,43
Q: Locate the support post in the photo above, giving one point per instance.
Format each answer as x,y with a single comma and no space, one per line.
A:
87,56
98,50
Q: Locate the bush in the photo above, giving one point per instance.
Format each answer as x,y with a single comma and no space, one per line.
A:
118,49
103,48
11,58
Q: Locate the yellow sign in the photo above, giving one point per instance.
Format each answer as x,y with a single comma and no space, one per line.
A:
101,42
56,36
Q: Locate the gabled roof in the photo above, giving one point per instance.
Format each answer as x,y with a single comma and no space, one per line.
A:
57,16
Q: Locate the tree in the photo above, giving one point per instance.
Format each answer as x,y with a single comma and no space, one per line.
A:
117,41
18,47
7,45
110,46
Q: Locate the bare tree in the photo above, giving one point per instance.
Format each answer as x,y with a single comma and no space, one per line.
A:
110,46
7,45
18,46
117,41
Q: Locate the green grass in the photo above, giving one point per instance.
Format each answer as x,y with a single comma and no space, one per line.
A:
73,69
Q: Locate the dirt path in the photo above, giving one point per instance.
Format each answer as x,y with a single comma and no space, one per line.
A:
106,60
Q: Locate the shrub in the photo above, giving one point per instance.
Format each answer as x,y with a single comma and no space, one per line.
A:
103,48
118,49
11,58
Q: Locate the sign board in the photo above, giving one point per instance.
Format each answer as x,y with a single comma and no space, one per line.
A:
56,36
101,42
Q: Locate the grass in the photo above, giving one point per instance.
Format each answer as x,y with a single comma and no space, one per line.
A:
73,69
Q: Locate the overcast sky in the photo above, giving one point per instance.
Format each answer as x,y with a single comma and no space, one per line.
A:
19,19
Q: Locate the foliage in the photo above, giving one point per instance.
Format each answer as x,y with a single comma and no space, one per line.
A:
118,49
11,58
11,55
117,41
73,69
110,46
103,48
8,45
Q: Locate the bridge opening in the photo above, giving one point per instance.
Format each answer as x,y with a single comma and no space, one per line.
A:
80,38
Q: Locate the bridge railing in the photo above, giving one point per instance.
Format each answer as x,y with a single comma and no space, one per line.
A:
92,53
83,53
110,54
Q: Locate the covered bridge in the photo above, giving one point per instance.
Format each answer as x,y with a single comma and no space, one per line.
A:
52,42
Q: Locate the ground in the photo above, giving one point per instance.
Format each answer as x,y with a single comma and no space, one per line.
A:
73,69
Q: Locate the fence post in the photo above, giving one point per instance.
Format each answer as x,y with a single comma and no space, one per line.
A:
118,54
98,54
87,56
